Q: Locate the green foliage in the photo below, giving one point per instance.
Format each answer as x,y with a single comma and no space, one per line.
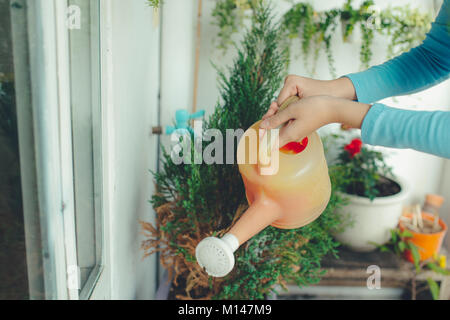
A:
228,18
154,3
278,256
350,17
433,266
316,29
206,198
434,288
400,243
360,171
404,27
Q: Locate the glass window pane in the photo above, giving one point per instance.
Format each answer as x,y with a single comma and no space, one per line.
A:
86,132
13,266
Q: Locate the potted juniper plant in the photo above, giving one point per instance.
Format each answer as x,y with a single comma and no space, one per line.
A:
375,196
194,201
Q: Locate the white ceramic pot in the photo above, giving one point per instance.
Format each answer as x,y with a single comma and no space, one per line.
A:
371,221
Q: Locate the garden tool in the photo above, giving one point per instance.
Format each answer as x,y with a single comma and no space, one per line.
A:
292,197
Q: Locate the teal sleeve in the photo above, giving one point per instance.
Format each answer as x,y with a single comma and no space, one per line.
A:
427,131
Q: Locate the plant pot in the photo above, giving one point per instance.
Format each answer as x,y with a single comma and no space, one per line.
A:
370,221
428,244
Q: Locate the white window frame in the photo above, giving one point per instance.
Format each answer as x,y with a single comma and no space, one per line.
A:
49,57
104,285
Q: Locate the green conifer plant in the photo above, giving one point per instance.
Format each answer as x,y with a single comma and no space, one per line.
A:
194,201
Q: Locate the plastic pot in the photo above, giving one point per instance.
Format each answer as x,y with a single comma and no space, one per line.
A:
428,243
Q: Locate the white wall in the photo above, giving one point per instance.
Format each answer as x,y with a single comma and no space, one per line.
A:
178,55
135,52
422,171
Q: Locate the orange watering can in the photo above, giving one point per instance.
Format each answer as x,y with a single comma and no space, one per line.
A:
287,189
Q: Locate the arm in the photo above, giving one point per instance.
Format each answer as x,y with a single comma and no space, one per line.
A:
421,130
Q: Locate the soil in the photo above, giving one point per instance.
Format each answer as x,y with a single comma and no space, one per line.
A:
385,186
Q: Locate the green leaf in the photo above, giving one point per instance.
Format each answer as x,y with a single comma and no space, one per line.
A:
394,235
434,288
415,255
406,234
438,269
401,246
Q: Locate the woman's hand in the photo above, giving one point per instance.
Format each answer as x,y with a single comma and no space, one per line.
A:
311,113
307,87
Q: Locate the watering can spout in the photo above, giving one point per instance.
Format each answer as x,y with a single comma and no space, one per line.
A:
216,255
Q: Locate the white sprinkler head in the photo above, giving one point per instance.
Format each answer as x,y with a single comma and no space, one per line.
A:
216,255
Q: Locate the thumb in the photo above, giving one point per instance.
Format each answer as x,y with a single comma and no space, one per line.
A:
288,134
277,119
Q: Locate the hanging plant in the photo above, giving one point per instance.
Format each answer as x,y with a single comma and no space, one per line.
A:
154,3
313,28
404,26
229,18
350,17
365,54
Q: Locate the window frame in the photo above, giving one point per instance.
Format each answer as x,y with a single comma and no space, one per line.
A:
45,135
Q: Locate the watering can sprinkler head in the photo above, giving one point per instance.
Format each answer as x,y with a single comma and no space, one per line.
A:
216,255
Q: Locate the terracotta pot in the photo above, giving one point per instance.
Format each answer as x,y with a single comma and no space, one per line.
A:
427,243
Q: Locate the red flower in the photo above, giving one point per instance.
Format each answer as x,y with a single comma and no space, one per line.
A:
354,147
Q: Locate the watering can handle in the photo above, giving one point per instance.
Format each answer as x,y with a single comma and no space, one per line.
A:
288,102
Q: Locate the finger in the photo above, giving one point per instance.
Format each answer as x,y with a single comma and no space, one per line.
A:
277,119
272,110
293,132
296,130
288,90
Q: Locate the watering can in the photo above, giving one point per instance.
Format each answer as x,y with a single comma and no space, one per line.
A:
293,197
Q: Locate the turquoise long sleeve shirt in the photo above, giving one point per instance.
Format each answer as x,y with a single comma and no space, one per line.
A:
413,71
